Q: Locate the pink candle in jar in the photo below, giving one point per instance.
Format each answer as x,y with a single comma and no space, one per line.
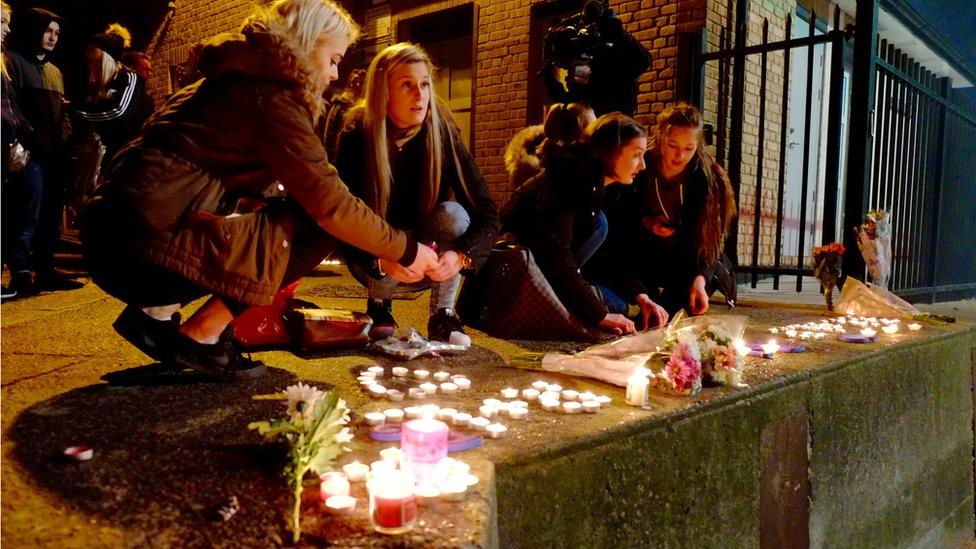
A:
423,444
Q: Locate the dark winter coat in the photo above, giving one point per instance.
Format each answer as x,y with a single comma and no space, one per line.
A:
39,87
551,215
245,130
408,167
119,117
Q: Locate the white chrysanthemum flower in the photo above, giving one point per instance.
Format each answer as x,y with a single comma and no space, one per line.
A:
344,436
301,401
341,405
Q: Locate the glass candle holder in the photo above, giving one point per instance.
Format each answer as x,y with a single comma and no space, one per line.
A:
392,502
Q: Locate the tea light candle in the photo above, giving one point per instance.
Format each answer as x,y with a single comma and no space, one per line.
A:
449,388
530,394
791,333
365,376
518,413
441,376
452,490
340,505
496,430
771,347
462,383
426,494
377,391
429,410
569,394
416,392
393,415
421,374
413,412
459,468
391,454
555,388
914,327
741,347
487,411
333,483
637,384
586,396
518,404
590,406
461,419
540,385
479,423
573,407
446,414
604,400
774,330
820,335
890,329
375,418
509,392
492,402
355,471
868,332
382,466
400,371
394,395
549,405
377,371
429,388
549,395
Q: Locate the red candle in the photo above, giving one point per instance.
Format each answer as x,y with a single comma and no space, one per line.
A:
394,512
392,503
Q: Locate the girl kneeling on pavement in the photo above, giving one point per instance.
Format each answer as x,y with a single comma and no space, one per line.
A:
668,230
403,155
228,192
557,214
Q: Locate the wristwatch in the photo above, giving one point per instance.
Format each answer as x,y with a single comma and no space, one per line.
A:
378,269
464,260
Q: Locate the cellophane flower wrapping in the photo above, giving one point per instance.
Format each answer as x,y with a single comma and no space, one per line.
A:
874,241
865,299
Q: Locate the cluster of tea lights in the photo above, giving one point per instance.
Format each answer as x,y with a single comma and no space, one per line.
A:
866,326
455,479
443,382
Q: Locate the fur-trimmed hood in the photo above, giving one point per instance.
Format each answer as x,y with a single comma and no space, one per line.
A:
256,52
522,160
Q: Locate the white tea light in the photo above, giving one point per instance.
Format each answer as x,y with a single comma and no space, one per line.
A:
530,394
449,388
591,406
446,414
549,404
462,419
540,385
890,328
554,387
479,423
355,471
382,466
604,400
400,371
509,392
429,388
393,415
416,393
572,407
487,411
394,395
378,371
391,454
492,402
462,383
340,505
771,347
421,374
549,395
426,494
413,412
518,413
569,394
586,395
441,376
453,491
375,418
377,391
496,430
914,327
868,332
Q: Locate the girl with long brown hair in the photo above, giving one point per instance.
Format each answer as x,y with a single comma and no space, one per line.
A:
667,238
403,155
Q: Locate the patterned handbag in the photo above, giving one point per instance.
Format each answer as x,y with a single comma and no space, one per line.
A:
510,298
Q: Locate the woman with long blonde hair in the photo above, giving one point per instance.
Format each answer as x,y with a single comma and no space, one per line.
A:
228,192
666,240
402,154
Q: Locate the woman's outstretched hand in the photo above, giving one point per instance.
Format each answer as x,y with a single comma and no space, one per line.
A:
448,266
617,324
698,298
425,262
652,314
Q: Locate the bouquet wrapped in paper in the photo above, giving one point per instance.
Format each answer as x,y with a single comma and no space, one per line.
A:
874,241
678,355
826,267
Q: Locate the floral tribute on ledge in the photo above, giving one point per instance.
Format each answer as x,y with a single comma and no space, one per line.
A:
826,267
695,349
315,433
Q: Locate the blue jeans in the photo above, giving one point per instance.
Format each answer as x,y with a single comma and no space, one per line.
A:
447,222
585,250
21,209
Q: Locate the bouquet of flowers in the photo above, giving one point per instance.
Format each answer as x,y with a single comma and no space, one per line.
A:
721,361
874,241
681,372
826,267
314,430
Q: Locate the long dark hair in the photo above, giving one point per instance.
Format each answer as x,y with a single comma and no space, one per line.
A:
719,208
606,135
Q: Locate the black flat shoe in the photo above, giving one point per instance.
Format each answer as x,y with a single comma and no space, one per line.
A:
381,312
222,360
442,323
151,336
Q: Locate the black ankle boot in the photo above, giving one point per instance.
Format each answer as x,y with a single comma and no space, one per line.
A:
383,322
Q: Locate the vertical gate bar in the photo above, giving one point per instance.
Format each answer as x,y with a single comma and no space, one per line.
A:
915,225
783,124
938,174
736,124
881,100
892,125
896,144
898,191
860,140
926,160
757,203
834,115
805,180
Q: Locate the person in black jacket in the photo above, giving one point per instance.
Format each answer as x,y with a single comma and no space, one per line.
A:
557,214
403,156
668,231
117,104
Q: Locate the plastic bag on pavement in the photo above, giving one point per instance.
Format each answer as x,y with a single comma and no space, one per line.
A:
263,325
407,344
865,299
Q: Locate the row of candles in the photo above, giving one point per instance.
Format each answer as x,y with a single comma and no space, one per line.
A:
839,325
369,379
